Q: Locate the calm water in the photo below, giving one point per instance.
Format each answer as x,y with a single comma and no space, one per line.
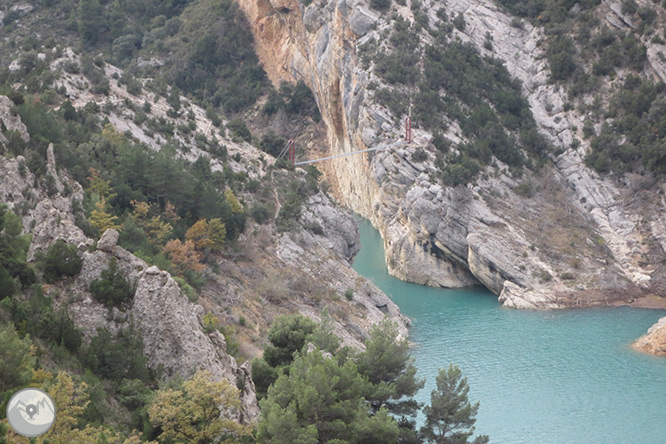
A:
564,377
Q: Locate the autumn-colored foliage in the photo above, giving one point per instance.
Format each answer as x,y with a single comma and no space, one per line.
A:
193,414
155,228
101,219
184,256
207,235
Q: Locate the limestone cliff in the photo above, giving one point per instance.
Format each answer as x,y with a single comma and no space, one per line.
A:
578,239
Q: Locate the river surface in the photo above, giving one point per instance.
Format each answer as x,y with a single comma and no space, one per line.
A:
553,377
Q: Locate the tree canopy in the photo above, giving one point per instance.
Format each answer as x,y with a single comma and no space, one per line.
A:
191,414
450,417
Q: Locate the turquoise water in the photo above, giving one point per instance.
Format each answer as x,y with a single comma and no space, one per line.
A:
557,377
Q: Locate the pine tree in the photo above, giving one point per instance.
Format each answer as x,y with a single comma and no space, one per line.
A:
7,284
16,358
321,400
388,366
450,417
90,20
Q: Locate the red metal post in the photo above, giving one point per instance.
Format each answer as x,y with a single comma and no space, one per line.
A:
408,130
292,153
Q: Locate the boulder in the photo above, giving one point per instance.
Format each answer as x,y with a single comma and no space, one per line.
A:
654,341
108,240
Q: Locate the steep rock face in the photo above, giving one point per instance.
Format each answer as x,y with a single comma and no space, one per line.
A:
170,326
655,340
11,121
319,254
578,234
339,232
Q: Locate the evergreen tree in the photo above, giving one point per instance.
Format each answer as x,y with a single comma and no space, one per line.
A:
233,202
387,365
321,401
90,20
61,259
217,233
16,359
112,289
450,417
287,335
7,284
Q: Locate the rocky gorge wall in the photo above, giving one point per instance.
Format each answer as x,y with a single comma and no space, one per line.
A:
170,326
579,240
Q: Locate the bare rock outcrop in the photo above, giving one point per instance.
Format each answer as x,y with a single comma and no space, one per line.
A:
654,341
341,231
322,253
170,326
11,120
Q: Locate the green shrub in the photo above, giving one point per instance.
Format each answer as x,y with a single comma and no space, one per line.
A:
420,155
112,289
298,99
524,189
349,294
187,289
263,375
461,169
399,67
61,259
561,57
33,314
380,5
629,7
459,21
239,130
261,213
59,328
118,356
272,144
567,276
393,99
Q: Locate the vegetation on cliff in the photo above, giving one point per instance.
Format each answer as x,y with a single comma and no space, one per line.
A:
585,54
455,84
319,392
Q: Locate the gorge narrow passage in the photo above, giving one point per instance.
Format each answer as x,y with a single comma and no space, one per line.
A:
550,377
